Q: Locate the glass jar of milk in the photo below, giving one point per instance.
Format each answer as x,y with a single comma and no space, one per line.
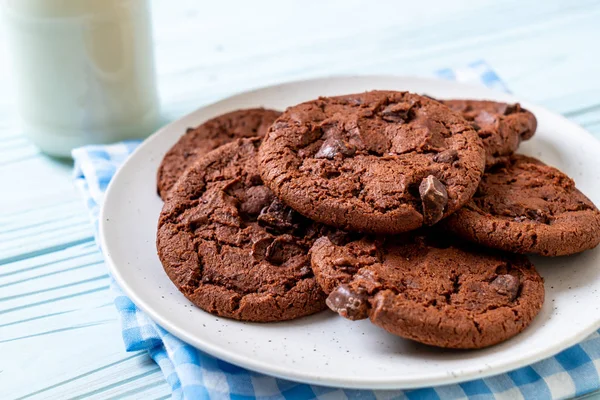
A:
83,70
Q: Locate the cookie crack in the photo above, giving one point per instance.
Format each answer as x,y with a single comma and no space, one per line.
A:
477,326
455,281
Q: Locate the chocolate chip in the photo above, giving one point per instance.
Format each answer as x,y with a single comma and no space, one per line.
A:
277,218
341,261
512,108
348,303
534,215
448,156
345,264
430,98
257,198
538,216
340,238
251,199
282,249
366,113
434,198
475,126
255,179
397,112
331,147
507,285
259,248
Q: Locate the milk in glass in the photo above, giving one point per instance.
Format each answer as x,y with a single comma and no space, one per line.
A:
83,70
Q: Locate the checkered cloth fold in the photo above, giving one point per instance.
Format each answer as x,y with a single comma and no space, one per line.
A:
193,374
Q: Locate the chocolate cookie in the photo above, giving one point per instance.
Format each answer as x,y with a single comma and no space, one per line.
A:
379,161
428,290
231,247
208,136
500,126
525,206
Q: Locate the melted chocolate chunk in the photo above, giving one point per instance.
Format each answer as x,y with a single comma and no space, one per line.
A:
399,112
282,249
512,109
507,285
256,199
259,248
434,199
348,303
277,218
331,147
448,156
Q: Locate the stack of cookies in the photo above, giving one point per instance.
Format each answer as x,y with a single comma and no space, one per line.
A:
410,211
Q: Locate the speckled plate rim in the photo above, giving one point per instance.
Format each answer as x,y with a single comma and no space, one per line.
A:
115,211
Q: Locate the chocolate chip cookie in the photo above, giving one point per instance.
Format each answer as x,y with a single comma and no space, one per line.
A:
380,161
231,247
500,126
208,136
429,290
525,206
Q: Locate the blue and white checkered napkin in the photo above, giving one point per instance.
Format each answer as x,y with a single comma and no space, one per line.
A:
193,374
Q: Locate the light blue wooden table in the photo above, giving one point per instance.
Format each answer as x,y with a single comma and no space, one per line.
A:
59,333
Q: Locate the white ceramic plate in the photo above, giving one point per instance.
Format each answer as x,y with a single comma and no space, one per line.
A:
326,349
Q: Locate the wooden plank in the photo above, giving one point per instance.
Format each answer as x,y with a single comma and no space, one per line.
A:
42,228
57,306
117,377
401,47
